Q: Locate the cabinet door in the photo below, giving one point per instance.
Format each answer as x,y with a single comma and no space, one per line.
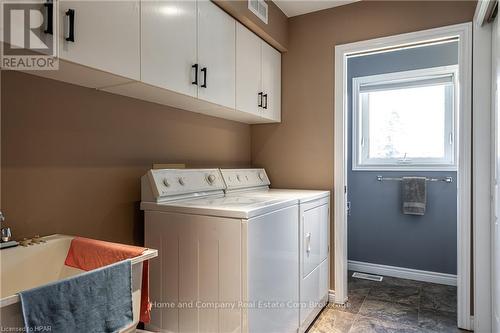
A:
248,70
168,45
105,35
216,55
271,82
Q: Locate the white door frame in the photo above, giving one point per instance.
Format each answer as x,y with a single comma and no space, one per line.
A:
495,225
483,153
464,175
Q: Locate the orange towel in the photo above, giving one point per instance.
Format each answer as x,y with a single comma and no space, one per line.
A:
88,254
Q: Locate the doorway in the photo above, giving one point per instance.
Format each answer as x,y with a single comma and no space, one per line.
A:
371,165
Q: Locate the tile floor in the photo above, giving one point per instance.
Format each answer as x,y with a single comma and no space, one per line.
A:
391,306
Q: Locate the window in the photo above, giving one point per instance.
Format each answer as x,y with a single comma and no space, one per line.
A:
405,120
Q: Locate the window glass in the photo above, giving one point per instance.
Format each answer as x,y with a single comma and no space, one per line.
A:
407,123
405,120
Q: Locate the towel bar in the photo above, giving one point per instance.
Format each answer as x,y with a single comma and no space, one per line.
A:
445,179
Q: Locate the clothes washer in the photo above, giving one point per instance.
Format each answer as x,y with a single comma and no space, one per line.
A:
226,263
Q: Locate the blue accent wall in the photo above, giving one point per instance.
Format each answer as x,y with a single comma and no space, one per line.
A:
378,231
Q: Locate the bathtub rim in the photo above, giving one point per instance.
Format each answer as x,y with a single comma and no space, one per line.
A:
146,255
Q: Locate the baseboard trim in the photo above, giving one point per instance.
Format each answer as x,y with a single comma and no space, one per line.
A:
404,273
331,296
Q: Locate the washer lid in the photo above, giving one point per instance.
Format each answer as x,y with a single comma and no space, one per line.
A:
243,207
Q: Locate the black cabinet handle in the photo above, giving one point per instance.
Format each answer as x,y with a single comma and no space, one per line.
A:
49,7
265,98
204,71
195,67
70,13
260,99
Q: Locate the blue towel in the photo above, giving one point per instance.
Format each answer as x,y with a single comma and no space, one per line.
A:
96,301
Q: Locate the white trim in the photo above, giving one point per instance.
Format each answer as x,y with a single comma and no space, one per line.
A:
483,150
379,167
340,176
331,296
484,9
495,171
403,273
464,179
464,32
360,122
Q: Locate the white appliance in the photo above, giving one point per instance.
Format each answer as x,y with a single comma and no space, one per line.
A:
225,263
314,221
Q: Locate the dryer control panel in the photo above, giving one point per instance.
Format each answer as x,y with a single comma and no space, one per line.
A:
171,184
239,179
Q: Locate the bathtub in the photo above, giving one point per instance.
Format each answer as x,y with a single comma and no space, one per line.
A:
23,268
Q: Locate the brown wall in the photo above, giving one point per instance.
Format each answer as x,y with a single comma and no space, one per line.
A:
72,157
298,153
275,32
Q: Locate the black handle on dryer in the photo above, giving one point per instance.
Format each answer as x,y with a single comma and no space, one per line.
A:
50,17
70,13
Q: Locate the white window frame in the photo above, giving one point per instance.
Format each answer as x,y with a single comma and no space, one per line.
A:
420,77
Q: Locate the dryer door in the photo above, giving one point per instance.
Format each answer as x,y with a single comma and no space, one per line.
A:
314,238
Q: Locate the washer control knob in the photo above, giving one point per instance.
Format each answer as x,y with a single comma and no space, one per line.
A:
211,179
181,181
165,182
261,176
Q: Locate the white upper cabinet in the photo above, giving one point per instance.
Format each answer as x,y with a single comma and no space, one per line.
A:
258,76
271,83
101,34
168,45
188,54
248,71
216,55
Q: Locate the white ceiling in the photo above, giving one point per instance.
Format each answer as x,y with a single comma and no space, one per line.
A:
299,7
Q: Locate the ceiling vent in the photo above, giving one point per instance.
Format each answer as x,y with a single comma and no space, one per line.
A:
259,8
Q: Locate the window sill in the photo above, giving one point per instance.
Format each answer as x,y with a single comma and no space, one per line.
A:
405,168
